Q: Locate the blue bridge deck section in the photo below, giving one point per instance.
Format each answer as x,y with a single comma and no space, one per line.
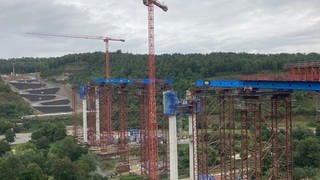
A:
131,81
276,85
119,81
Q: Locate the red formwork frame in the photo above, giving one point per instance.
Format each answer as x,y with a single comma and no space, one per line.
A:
253,119
227,135
251,146
123,147
120,96
74,112
143,120
295,72
91,115
202,140
304,71
162,131
281,110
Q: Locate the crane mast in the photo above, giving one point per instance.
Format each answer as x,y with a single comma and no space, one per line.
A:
152,125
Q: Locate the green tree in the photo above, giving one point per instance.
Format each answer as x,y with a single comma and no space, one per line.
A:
305,172
5,125
64,169
301,133
32,172
4,147
10,135
307,153
318,131
84,166
48,132
10,168
67,147
42,142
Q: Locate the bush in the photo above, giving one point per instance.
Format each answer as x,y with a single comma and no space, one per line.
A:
10,135
301,133
4,147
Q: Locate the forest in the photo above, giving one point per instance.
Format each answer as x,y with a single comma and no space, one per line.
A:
184,69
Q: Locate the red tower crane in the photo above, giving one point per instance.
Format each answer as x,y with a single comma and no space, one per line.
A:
106,39
152,128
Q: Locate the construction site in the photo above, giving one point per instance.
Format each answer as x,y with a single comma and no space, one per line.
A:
245,123
216,110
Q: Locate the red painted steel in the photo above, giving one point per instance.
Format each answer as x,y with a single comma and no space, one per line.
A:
91,115
74,112
123,148
143,117
262,139
296,72
152,125
152,139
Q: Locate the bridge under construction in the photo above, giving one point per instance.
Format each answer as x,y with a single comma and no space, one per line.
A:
246,124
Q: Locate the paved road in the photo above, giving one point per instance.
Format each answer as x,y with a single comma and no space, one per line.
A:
20,138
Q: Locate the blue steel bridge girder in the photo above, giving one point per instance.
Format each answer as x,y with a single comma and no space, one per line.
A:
131,81
276,85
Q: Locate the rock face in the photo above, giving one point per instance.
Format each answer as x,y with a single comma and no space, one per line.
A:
42,96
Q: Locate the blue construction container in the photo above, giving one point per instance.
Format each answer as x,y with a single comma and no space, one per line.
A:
134,135
170,103
82,92
206,177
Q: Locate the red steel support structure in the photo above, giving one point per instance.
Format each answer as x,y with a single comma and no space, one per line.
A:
251,143
152,124
257,116
163,135
309,71
227,131
245,143
206,133
202,139
162,132
74,113
257,147
281,147
123,147
143,120
91,115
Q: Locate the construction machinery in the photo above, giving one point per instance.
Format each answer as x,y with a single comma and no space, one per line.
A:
152,141
106,39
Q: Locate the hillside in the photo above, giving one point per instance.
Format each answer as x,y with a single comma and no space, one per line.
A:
12,105
183,68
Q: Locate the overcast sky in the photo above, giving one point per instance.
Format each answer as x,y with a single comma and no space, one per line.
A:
189,26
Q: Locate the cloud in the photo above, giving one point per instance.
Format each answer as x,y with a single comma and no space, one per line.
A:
261,26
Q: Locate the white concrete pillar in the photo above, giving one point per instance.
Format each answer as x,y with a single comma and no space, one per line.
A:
84,121
97,119
190,148
173,148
